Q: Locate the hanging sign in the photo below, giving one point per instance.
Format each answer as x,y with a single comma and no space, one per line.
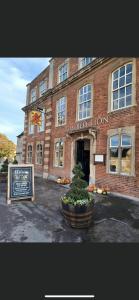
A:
20,182
36,118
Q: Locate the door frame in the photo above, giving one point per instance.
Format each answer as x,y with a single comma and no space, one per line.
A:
92,139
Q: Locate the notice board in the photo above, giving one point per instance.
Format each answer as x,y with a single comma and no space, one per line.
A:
20,182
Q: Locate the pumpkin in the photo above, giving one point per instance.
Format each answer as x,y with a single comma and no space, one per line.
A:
90,188
58,180
99,191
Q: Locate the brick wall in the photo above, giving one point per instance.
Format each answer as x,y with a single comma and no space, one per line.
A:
99,78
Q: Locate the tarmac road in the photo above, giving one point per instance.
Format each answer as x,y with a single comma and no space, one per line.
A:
115,219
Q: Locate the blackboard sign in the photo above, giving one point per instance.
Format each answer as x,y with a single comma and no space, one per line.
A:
20,182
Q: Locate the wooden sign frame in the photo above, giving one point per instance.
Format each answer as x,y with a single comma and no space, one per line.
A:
101,160
12,166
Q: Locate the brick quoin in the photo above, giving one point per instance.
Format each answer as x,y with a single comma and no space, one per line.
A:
98,74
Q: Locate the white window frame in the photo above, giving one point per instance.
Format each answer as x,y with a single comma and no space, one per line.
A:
43,84
120,147
55,142
67,71
38,152
29,157
57,103
33,98
30,128
78,103
124,86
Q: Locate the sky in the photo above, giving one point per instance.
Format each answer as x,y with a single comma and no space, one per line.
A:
15,73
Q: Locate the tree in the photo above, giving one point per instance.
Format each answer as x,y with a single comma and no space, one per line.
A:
78,185
7,147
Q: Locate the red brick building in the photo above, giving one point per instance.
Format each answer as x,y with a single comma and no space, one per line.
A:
91,106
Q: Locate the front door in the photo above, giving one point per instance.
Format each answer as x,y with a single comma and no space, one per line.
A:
83,156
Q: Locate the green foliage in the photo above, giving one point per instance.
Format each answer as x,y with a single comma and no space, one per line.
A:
5,166
78,185
7,147
15,162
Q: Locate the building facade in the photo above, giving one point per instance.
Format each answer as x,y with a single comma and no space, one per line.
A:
90,114
19,147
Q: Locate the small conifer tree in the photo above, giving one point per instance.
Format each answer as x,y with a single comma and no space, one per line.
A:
78,185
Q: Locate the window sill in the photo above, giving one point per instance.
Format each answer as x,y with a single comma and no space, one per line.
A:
121,174
121,109
59,167
82,120
57,126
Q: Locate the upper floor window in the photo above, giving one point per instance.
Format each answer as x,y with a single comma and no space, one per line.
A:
120,154
29,154
59,153
33,95
85,61
63,72
122,87
61,111
39,154
84,103
30,126
42,127
42,87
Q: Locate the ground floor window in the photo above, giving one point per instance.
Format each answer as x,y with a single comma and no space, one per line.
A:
29,154
121,153
59,153
39,154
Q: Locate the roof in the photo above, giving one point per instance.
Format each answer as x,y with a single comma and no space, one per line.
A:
21,134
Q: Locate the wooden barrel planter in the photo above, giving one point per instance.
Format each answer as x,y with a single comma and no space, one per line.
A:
78,217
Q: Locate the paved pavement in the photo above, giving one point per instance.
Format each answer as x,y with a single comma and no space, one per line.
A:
115,219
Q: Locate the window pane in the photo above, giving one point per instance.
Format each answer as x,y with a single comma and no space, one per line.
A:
121,92
121,102
122,71
114,141
88,112
129,90
114,160
115,104
128,100
89,87
115,84
115,74
115,95
128,68
122,81
126,161
129,78
126,140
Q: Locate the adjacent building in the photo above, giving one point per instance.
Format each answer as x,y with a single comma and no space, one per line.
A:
90,114
19,147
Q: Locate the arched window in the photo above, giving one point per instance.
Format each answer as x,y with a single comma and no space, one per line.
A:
29,154
39,154
59,153
84,102
122,87
120,154
61,111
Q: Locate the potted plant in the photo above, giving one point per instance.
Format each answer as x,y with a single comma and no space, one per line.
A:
78,203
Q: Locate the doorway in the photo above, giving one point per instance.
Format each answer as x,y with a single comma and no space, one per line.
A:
83,156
